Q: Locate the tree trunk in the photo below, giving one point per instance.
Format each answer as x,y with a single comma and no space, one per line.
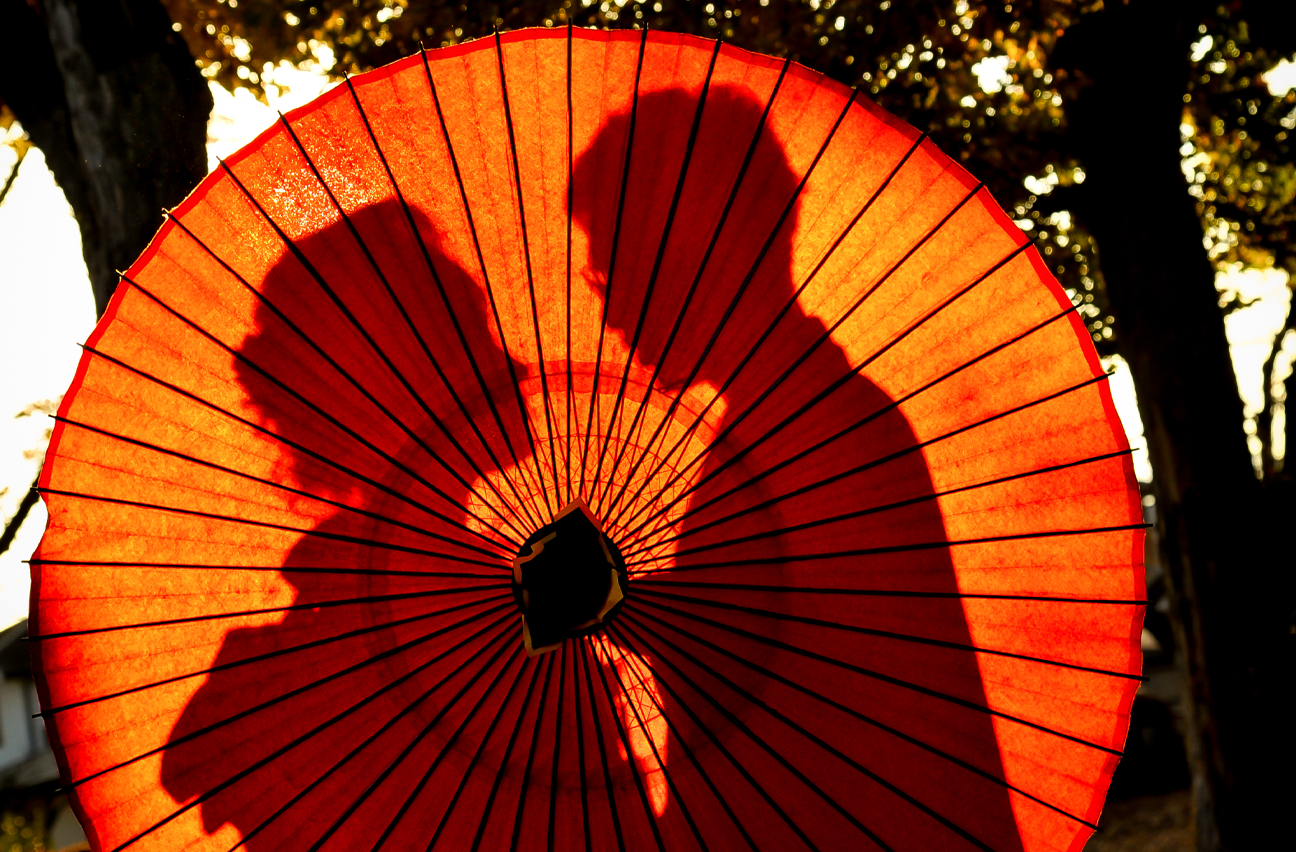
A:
1229,598
112,97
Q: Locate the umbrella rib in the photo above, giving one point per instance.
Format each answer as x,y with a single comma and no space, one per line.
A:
630,757
770,750
472,763
683,743
652,278
193,619
732,423
706,259
661,762
894,403
749,587
881,725
454,320
312,406
742,289
901,548
884,634
337,301
616,241
833,750
490,296
386,726
317,533
598,739
282,569
409,800
278,485
279,652
409,323
874,675
557,749
858,513
639,535
192,735
580,754
518,813
526,254
571,200
746,774
427,729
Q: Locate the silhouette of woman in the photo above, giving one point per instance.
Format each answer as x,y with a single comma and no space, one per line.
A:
365,641
751,520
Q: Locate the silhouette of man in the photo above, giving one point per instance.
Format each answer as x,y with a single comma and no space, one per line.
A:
755,502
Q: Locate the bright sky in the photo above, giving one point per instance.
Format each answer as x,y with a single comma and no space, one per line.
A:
46,310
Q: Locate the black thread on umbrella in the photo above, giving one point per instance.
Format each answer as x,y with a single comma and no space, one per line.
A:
733,304
490,729
508,751
41,637
732,423
319,351
365,572
771,751
557,750
278,485
651,285
598,738
895,403
885,593
490,294
616,241
580,755
751,273
409,323
869,673
269,655
760,789
683,742
883,634
868,418
445,749
316,533
297,395
688,297
436,279
520,810
880,725
903,548
631,758
526,254
202,797
571,388
405,646
871,510
386,726
834,751
341,306
917,446
392,765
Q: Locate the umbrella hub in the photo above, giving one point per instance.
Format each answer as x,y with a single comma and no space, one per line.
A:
568,579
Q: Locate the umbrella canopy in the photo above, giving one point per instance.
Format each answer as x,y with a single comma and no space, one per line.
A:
588,440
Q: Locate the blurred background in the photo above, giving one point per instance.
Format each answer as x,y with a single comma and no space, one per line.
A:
1144,146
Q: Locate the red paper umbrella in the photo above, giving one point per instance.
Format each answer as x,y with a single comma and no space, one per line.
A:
686,365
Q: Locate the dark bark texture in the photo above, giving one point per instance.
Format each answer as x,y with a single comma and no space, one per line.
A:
111,96
1229,590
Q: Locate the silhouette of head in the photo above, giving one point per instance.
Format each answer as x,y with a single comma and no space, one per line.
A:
732,118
